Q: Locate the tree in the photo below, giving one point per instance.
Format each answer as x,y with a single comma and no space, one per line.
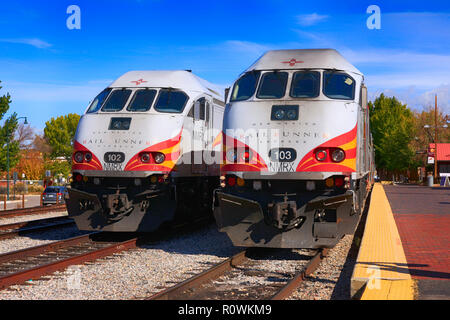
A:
7,135
392,126
422,136
41,145
59,133
24,135
58,167
31,164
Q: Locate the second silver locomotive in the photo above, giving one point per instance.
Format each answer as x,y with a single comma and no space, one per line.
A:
144,152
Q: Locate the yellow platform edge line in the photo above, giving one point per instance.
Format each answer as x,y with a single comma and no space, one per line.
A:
381,270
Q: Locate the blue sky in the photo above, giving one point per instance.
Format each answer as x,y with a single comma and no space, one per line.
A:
50,70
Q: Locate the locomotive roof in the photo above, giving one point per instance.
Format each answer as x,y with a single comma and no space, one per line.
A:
178,79
303,59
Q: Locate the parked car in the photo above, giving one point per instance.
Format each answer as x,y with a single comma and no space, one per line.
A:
53,195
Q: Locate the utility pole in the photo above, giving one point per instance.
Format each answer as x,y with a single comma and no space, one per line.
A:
435,139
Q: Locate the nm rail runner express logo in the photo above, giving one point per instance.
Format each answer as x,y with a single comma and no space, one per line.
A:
292,62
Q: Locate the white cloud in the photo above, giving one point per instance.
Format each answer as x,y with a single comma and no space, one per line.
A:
443,98
247,47
408,58
417,99
407,79
408,75
35,42
310,19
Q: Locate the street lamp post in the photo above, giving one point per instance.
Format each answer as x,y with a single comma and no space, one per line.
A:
7,158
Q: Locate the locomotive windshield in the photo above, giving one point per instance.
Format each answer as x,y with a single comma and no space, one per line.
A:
245,87
338,85
305,84
171,101
273,85
142,100
116,100
98,101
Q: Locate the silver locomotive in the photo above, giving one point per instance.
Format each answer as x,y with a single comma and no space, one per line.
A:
298,157
144,152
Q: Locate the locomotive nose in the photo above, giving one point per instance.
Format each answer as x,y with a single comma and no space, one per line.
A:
128,144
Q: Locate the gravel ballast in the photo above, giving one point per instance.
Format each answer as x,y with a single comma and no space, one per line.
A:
31,217
331,281
141,272
133,274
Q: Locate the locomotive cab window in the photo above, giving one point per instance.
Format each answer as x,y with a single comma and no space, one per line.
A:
338,85
116,100
199,109
98,101
245,87
142,100
272,85
305,84
171,101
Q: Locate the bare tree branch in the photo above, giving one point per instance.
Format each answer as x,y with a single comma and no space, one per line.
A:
24,135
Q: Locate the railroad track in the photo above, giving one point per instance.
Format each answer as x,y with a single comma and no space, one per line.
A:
23,228
200,286
32,263
31,211
295,282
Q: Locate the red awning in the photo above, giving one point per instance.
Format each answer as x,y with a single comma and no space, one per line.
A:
443,151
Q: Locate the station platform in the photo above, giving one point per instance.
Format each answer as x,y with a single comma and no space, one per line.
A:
404,252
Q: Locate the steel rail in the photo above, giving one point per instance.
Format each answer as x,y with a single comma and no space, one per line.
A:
64,259
31,211
221,268
47,268
294,283
22,228
212,273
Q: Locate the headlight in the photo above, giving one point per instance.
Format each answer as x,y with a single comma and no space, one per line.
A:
279,114
310,185
338,155
145,157
257,185
159,157
232,155
321,155
88,156
284,112
119,124
78,157
292,115
246,155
